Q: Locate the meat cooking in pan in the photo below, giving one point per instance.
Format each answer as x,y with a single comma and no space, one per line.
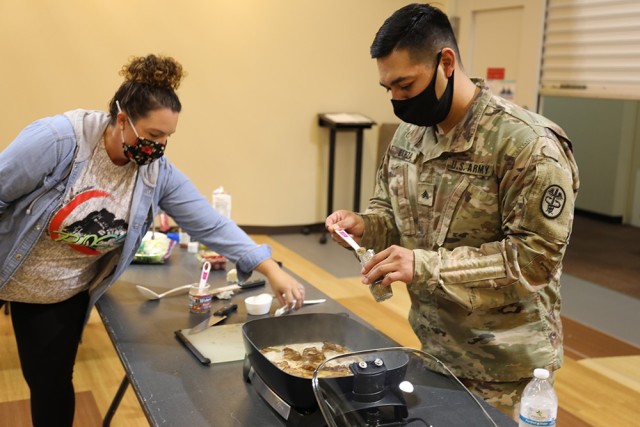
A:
302,359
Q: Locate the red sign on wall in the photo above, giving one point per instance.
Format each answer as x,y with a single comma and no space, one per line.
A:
495,73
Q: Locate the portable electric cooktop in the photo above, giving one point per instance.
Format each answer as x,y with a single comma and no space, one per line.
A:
373,384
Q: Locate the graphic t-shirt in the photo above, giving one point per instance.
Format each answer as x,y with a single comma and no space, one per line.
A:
91,221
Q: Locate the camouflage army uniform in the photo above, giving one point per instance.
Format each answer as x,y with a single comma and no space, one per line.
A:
487,210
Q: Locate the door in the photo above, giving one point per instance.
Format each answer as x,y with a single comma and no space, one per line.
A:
504,36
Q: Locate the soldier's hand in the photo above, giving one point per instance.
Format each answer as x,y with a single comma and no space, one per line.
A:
348,221
392,264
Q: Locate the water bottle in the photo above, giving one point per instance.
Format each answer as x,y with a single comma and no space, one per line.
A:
539,403
221,202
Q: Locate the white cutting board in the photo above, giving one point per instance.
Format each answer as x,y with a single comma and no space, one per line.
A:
219,343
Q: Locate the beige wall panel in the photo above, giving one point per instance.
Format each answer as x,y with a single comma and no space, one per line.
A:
504,34
259,72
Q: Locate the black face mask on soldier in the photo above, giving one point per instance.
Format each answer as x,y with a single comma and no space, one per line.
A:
425,109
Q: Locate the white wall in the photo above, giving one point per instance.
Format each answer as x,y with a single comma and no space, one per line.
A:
259,72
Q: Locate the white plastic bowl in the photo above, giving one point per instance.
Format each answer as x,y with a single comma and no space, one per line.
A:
259,304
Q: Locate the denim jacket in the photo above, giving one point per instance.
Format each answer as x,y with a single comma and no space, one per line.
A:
48,156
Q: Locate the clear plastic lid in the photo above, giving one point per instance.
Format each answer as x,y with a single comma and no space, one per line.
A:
397,387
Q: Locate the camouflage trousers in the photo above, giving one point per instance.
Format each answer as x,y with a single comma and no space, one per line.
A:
503,396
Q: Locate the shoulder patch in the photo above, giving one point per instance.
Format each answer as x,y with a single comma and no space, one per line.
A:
553,201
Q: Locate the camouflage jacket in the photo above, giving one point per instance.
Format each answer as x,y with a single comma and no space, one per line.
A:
487,210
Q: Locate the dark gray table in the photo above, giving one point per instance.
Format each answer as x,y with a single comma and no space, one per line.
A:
173,387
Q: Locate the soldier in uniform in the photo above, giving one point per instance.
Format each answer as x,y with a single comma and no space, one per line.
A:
472,209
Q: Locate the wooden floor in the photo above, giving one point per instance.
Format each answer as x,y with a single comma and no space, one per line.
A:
606,254
598,386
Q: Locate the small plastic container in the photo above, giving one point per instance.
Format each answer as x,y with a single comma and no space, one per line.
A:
218,262
200,299
192,247
259,304
183,239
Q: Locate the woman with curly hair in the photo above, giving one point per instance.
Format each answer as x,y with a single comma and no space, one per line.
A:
78,192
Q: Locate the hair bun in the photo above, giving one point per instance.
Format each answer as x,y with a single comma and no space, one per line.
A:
153,70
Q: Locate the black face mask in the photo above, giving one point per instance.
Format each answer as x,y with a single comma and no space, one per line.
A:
425,109
144,151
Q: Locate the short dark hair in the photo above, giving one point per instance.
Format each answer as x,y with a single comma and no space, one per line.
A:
422,29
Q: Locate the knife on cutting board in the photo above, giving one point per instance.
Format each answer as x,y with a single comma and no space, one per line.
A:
217,317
